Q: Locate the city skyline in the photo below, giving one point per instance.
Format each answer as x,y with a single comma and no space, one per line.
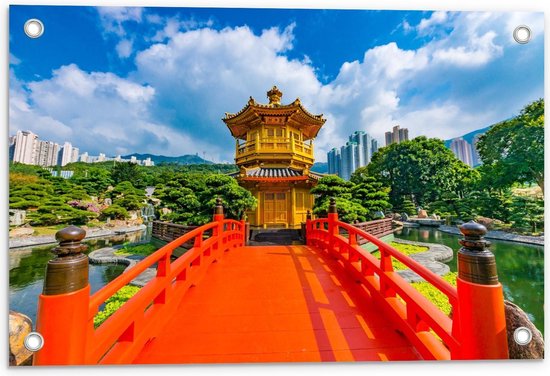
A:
128,88
25,147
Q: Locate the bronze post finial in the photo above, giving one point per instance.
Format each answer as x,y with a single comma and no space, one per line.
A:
219,206
476,263
332,205
68,271
308,215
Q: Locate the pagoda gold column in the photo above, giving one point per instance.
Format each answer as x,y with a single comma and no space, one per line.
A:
292,216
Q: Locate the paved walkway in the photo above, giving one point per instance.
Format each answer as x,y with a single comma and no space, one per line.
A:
30,241
276,304
500,235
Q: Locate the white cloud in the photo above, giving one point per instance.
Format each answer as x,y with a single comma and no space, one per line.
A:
124,48
427,25
191,74
113,18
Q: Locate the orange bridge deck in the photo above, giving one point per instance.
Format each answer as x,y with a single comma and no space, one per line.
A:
276,304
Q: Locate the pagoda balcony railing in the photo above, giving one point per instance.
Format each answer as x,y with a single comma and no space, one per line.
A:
270,145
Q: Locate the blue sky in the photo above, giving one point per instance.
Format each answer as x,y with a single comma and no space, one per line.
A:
159,80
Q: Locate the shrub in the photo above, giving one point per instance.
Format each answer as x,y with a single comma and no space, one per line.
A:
434,295
114,212
114,303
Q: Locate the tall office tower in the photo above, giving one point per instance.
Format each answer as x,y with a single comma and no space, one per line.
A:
397,135
74,155
47,153
84,157
476,158
388,138
462,150
348,158
66,154
374,146
403,134
334,160
26,147
361,156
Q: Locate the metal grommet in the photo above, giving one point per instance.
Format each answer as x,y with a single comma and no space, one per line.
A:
34,341
34,28
523,336
522,34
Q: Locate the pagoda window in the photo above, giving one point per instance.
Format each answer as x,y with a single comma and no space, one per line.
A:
270,132
280,132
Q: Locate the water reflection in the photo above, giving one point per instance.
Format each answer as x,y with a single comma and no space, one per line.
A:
520,268
28,266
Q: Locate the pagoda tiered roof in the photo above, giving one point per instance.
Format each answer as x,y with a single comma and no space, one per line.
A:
254,113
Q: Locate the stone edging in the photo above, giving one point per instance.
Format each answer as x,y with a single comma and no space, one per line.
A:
107,256
432,259
50,239
500,235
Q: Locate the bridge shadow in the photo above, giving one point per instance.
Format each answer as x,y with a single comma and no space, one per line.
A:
347,324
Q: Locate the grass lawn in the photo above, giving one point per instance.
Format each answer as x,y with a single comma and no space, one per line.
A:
137,249
425,288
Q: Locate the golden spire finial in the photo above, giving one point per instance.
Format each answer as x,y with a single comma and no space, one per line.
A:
274,96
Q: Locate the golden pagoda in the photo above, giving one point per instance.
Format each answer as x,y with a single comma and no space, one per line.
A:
274,153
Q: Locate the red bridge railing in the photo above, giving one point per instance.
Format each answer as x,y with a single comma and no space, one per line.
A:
65,318
477,329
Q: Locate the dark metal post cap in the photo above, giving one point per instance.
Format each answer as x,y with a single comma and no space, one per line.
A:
473,236
332,206
219,206
69,240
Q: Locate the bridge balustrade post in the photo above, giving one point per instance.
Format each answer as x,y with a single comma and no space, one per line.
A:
480,313
62,314
219,217
308,228
332,222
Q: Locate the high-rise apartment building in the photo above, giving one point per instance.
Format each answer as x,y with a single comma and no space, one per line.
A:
397,135
47,153
462,150
74,155
84,157
26,147
334,160
357,152
66,154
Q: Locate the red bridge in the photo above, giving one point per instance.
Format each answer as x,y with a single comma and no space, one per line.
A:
225,302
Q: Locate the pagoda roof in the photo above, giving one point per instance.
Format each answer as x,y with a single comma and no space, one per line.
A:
296,115
276,174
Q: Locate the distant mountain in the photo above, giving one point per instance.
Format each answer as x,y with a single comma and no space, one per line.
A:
469,137
182,159
320,167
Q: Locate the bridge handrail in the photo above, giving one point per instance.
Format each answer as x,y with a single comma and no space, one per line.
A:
117,339
418,314
434,279
122,280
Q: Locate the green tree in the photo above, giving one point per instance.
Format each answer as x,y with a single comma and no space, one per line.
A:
369,193
114,212
127,196
126,171
527,213
513,150
421,168
348,209
236,199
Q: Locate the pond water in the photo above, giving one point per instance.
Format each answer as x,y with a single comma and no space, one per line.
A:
520,268
28,266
